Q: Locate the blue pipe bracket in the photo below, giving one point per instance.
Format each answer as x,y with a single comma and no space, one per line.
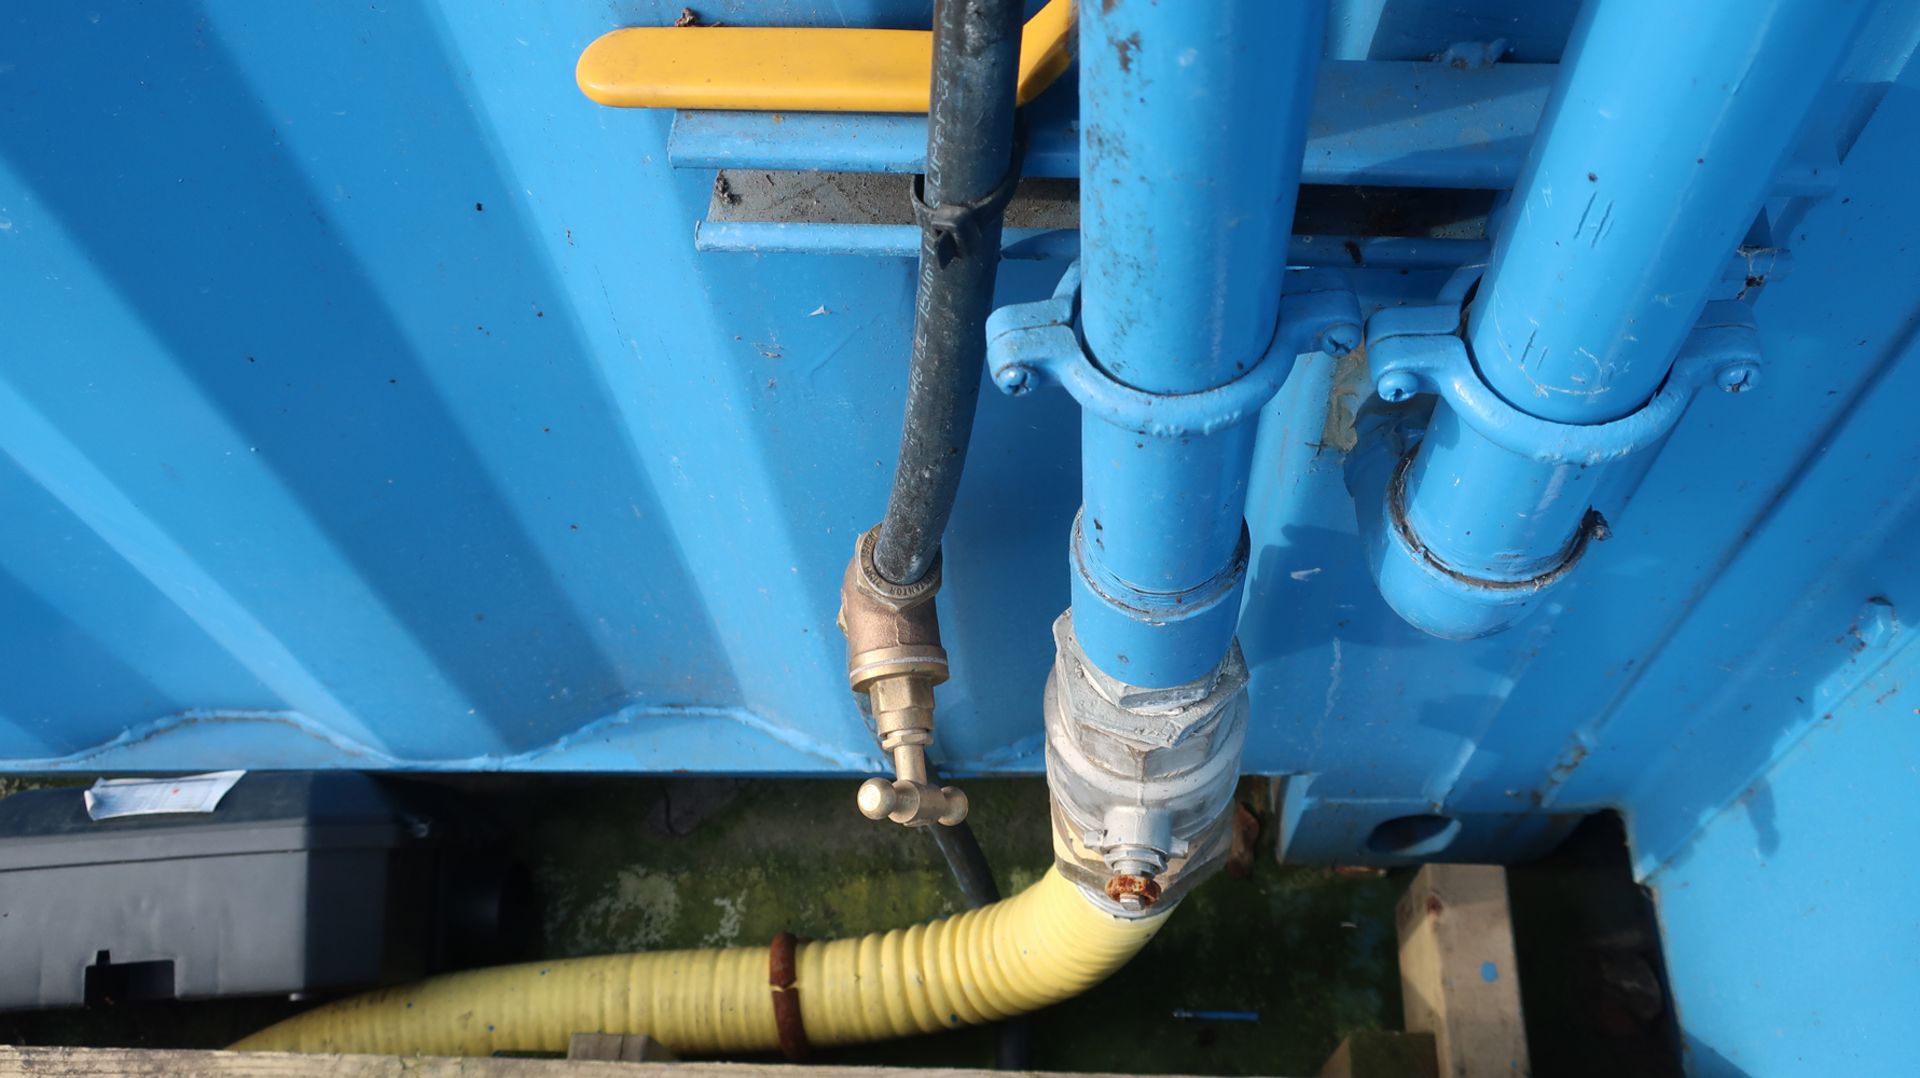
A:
1604,263
1422,554
1036,345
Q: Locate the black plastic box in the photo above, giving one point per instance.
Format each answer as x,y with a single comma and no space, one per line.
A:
307,882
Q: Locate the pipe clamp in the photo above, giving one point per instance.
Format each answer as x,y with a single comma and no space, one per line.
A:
1030,345
1419,350
1427,578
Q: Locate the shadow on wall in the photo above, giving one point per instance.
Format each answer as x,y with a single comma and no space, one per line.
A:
1536,30
1703,1062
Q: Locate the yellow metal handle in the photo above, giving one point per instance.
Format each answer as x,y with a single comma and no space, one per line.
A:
795,70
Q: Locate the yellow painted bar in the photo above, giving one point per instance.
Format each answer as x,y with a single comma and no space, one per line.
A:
795,69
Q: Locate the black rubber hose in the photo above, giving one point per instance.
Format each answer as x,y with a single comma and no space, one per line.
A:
970,173
968,863
970,139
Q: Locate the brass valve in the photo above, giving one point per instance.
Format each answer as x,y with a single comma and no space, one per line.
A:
894,656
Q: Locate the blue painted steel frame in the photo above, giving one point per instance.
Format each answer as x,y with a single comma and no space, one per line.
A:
1382,123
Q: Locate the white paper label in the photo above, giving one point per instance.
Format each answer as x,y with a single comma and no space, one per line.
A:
112,798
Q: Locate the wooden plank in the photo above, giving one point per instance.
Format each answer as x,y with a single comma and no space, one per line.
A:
1383,1053
151,1063
1458,979
619,1048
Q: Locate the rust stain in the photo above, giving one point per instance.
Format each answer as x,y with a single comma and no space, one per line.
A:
1246,838
1349,388
1124,49
1568,763
1119,887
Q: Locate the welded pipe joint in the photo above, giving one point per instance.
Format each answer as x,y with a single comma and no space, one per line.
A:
1142,780
1420,350
1123,626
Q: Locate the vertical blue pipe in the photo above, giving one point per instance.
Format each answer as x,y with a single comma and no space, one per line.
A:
1658,146
1192,128
1657,149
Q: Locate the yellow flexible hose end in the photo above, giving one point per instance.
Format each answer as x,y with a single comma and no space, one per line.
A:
1044,945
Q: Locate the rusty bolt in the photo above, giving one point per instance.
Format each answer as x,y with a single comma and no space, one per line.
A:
1133,893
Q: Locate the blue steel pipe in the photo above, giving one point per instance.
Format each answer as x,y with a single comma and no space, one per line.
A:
1658,146
1192,128
1657,149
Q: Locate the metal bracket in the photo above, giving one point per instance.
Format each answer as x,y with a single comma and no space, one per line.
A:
1030,345
1419,350
1414,350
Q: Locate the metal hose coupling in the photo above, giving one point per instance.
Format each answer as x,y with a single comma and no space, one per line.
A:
1141,779
894,657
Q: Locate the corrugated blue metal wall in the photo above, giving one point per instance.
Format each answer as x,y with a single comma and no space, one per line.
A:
364,403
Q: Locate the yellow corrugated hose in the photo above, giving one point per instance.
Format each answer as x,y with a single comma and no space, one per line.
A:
1044,945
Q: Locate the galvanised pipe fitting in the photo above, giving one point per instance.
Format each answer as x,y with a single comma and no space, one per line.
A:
894,656
1141,780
